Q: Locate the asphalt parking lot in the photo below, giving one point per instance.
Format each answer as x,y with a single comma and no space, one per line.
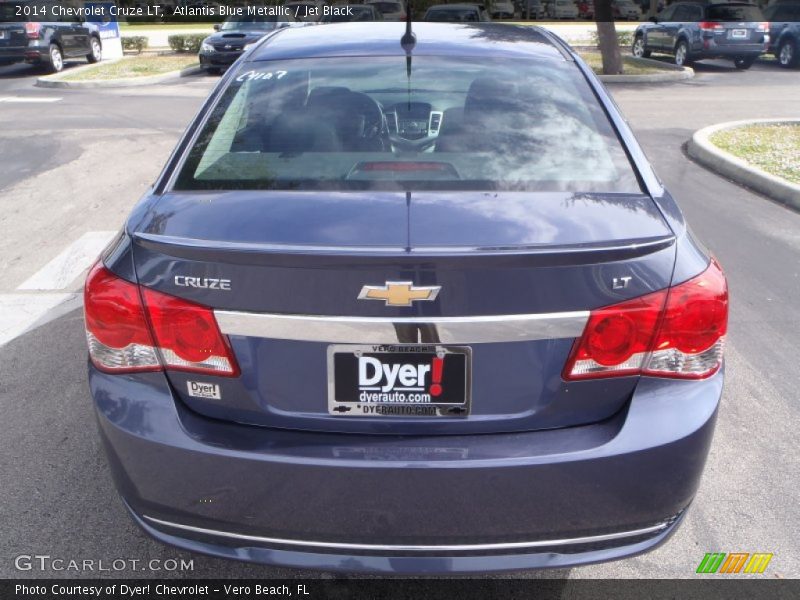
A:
72,163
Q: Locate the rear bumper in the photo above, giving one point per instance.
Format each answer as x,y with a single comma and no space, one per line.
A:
12,55
428,504
713,50
218,59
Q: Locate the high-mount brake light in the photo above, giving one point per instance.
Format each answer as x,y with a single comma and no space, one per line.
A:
133,329
679,332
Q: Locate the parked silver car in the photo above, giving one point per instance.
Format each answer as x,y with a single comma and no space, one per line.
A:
392,10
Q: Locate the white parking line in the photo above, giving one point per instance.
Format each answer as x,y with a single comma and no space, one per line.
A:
19,312
29,99
65,268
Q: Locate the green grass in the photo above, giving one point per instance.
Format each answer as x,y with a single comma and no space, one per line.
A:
630,66
133,27
774,148
138,66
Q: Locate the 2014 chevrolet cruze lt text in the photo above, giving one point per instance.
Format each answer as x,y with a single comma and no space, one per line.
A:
418,307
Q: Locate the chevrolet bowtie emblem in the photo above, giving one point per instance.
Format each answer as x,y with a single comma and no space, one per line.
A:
399,293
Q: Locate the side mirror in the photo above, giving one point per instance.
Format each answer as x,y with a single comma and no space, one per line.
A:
216,27
653,19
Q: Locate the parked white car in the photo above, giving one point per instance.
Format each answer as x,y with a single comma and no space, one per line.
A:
626,9
392,10
502,9
562,9
536,8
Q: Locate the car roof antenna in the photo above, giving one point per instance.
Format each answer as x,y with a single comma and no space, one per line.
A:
407,43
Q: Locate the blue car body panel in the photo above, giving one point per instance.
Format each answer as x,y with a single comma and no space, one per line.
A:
640,467
562,473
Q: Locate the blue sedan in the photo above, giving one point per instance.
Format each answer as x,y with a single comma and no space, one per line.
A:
418,307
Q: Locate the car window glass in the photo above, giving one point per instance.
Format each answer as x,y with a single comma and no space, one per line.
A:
8,13
734,13
695,13
325,124
387,7
266,22
666,14
682,13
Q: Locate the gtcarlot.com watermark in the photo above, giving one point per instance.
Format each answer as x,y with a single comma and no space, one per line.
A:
45,562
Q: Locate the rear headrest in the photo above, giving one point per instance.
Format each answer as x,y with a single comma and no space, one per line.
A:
278,96
328,96
490,94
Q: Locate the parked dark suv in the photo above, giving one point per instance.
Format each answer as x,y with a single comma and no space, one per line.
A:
34,32
693,31
220,50
784,32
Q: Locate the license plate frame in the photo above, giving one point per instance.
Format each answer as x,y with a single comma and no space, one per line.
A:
739,34
346,394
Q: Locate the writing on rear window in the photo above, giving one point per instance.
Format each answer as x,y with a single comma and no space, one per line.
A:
254,75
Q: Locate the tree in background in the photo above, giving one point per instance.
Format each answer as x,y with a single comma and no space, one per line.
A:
607,37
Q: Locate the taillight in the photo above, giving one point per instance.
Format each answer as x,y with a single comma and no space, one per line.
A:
126,334
116,327
671,333
616,339
33,29
188,336
763,27
691,337
711,26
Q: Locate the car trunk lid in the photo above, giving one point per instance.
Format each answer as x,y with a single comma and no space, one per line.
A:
495,258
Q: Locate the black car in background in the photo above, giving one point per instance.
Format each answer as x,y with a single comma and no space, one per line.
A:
456,13
784,32
234,35
44,39
697,30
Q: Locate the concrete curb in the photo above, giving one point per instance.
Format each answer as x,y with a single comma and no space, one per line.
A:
703,151
673,73
56,80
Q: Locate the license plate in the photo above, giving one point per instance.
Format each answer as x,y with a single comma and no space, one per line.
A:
399,380
739,34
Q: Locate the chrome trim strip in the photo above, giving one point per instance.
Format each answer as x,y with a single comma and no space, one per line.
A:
394,330
632,246
415,548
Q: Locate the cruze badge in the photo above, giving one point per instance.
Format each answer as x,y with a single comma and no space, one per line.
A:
208,283
399,293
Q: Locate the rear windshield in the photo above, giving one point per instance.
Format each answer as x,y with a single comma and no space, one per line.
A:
453,123
734,13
